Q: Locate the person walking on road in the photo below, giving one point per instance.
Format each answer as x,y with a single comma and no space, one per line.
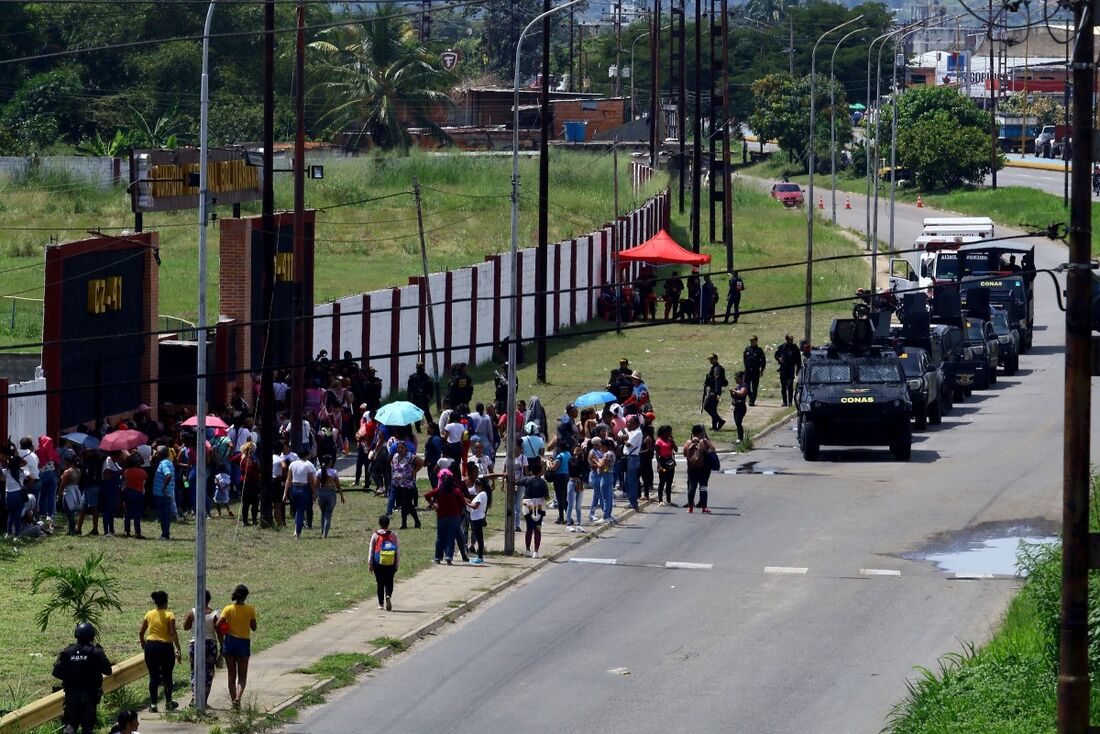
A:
211,643
80,667
733,298
666,465
695,451
740,397
237,622
385,558
755,364
158,637
789,359
713,386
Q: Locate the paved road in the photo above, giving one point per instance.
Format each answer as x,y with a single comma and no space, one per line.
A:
1049,181
636,647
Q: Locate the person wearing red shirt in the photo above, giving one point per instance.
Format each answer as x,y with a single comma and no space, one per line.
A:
448,501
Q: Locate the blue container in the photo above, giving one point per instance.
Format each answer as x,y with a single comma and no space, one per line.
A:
575,130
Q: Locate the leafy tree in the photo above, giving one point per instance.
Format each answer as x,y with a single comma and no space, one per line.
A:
115,147
375,79
44,111
943,154
782,112
942,136
84,593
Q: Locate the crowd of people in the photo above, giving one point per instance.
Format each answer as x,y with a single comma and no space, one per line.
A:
697,300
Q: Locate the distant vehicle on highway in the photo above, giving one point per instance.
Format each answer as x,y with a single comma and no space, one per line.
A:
788,194
1050,139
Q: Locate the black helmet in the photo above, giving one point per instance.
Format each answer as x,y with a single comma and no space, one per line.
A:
85,633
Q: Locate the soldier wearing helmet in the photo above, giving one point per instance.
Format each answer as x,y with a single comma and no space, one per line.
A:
80,667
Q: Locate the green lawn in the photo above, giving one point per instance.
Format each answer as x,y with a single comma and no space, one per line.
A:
359,248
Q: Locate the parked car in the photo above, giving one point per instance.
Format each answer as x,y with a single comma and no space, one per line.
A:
1009,338
984,346
788,194
924,378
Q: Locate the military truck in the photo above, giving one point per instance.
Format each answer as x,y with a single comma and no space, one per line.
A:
854,393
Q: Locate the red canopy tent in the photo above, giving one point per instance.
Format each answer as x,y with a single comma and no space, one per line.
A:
661,249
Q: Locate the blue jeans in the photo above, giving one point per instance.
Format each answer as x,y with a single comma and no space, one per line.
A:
633,466
134,501
326,500
165,505
47,497
300,499
446,531
391,500
518,509
14,504
574,492
607,496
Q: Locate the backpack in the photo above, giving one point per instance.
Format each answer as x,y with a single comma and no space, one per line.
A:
697,457
385,550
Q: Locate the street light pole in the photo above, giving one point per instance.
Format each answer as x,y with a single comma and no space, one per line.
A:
810,188
200,368
870,144
513,332
832,110
633,45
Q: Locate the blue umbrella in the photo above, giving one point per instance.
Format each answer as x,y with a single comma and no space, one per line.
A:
81,439
400,413
594,398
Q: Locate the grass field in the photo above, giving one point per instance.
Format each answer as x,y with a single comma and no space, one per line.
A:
307,580
359,247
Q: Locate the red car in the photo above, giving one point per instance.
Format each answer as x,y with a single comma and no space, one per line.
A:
788,194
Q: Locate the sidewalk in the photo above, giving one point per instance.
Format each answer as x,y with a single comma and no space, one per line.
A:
1015,160
422,603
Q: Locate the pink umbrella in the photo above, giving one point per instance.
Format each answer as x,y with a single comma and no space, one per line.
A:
121,440
212,421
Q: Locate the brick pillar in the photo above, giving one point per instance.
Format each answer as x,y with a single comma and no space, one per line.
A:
395,338
4,433
364,347
553,327
591,276
573,283
495,260
518,295
448,316
421,314
473,314
337,353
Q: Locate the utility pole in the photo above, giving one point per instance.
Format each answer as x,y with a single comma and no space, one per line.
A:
1073,644
655,111
681,102
696,148
267,271
572,56
425,21
727,170
427,291
993,103
618,47
790,44
544,201
298,351
714,144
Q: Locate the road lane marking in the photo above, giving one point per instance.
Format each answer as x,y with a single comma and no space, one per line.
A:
788,570
879,572
600,561
689,566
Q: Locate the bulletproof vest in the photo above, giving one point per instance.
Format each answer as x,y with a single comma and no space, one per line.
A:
81,668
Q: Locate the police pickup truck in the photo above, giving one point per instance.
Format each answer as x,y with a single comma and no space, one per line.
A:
853,393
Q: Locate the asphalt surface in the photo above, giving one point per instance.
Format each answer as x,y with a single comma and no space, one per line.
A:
1048,181
785,630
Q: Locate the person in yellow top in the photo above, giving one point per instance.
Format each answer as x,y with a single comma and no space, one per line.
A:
157,637
237,622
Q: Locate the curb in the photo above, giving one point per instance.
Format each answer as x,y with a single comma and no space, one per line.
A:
775,425
452,615
1037,165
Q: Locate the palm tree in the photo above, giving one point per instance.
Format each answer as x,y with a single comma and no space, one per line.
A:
84,592
376,79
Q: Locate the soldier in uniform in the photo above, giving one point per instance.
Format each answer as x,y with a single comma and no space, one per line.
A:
712,392
460,391
739,394
421,390
500,393
755,362
733,298
372,390
789,358
80,667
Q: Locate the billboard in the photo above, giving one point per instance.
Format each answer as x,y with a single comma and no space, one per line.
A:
101,300
161,180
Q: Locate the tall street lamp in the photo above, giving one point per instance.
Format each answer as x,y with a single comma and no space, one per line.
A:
200,368
869,143
633,45
810,187
832,110
510,440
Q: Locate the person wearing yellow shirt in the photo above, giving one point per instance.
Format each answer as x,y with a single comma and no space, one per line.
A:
157,637
237,622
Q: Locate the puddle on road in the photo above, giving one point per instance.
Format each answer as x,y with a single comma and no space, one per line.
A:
990,548
750,467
